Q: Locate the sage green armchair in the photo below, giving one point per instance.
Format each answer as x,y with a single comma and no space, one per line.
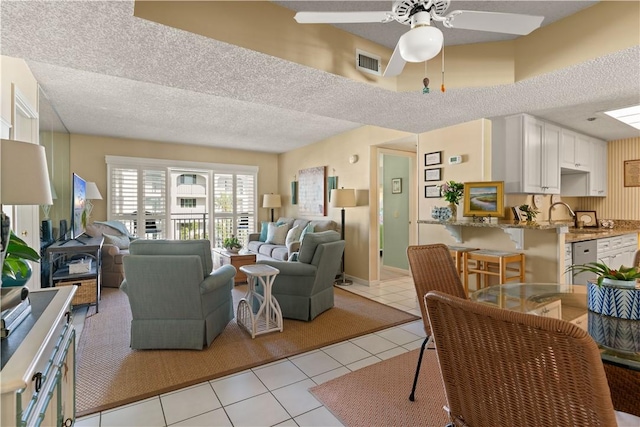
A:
176,300
304,288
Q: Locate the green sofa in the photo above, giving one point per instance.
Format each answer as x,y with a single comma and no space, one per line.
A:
176,300
304,288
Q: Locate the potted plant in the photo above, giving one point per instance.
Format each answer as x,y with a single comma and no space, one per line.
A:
231,244
615,292
452,192
16,270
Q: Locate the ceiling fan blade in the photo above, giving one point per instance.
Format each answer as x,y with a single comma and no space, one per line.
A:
497,22
341,17
395,65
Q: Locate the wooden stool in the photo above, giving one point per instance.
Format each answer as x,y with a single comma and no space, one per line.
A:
457,253
486,263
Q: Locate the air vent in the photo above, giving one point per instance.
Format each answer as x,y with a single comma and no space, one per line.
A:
367,62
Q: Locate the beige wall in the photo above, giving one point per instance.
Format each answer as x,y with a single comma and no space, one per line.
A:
607,27
87,158
621,202
15,70
334,153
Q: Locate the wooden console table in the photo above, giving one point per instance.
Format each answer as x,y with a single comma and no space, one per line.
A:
223,257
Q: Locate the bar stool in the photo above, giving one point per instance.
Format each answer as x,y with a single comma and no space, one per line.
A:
486,263
457,253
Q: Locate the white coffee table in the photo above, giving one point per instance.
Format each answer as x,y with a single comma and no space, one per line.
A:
268,317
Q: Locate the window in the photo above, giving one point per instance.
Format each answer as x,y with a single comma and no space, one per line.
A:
187,179
187,203
223,198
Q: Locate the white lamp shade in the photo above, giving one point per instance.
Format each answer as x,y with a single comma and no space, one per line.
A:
24,175
343,197
420,44
271,201
92,192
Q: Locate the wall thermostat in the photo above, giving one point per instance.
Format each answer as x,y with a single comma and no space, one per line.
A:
454,160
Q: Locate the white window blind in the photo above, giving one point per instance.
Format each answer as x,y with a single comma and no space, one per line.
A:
138,195
139,191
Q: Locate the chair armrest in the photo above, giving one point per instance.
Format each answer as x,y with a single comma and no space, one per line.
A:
293,247
218,278
109,249
254,237
292,268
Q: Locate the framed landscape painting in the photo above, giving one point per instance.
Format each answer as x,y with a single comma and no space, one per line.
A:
484,199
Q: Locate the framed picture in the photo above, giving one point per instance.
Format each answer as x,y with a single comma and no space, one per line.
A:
431,191
434,158
517,214
484,198
312,191
433,174
632,173
588,217
396,185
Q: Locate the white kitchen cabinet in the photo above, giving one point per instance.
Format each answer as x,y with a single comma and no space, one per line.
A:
568,260
618,250
575,149
526,154
598,169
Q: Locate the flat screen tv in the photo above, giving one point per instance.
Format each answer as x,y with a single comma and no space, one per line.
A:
78,212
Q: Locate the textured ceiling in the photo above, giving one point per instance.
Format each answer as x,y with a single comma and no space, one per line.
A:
109,73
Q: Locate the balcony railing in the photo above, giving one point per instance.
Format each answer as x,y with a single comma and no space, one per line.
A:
190,226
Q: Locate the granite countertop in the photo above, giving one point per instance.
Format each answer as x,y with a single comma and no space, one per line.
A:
542,225
580,235
572,234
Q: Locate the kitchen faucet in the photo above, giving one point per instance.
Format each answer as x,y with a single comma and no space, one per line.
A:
573,214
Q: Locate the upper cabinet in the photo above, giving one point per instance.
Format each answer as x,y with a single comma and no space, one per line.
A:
526,154
598,172
575,150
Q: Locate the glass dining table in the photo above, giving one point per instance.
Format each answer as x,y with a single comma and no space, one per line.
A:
618,339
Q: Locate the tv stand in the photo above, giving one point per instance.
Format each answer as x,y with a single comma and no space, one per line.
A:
89,282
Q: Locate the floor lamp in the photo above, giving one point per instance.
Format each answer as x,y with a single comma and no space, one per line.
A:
343,198
271,201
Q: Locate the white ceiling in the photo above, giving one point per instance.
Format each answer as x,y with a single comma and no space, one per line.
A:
109,73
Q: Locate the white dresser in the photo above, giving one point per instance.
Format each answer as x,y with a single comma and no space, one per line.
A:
38,373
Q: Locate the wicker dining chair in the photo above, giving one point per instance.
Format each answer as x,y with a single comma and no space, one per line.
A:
432,269
501,367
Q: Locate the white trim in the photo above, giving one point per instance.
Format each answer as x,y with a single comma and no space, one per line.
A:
22,103
216,167
5,128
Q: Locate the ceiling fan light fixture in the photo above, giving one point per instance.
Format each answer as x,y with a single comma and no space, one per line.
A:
420,43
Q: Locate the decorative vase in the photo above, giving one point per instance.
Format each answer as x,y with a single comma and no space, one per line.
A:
620,334
454,211
441,213
621,301
20,280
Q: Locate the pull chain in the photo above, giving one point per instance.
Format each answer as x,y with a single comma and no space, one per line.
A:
442,86
425,81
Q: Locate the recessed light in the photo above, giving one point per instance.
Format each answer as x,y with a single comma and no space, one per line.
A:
628,115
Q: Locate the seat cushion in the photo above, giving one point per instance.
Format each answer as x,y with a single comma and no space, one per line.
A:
267,249
280,253
254,246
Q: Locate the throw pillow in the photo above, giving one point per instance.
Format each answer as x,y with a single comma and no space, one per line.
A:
276,234
263,231
307,229
293,235
121,242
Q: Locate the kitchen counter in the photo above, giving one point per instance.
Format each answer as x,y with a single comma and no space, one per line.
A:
495,223
580,235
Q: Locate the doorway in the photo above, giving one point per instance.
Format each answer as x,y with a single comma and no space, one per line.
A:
396,216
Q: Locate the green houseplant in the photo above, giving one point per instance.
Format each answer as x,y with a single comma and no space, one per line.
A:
606,274
16,271
231,244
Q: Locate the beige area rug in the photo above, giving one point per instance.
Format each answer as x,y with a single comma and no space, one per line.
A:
378,395
110,373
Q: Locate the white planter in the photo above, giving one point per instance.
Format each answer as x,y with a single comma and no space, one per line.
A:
615,300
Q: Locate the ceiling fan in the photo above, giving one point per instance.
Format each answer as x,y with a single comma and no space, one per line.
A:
423,41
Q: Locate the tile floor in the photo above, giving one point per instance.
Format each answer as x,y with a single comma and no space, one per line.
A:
276,394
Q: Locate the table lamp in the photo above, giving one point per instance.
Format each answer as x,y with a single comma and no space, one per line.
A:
271,201
92,193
